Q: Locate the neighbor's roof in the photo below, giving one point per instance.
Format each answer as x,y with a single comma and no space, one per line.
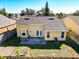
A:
75,19
55,24
5,21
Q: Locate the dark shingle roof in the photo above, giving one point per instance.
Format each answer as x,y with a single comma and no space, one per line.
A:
55,24
75,19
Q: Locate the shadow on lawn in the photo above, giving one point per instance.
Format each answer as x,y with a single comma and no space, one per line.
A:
49,45
72,44
14,41
57,45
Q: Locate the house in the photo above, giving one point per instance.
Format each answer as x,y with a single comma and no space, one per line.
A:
72,23
50,28
6,27
16,16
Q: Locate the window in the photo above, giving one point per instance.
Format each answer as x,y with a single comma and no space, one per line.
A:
23,34
26,19
37,33
62,35
40,33
27,32
51,18
48,34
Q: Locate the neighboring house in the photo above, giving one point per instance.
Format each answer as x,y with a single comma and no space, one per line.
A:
6,25
50,28
72,23
16,16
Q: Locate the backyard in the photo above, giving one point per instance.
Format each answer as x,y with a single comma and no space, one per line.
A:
14,41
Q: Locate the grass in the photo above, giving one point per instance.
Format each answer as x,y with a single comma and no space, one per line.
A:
14,41
72,44
49,45
3,57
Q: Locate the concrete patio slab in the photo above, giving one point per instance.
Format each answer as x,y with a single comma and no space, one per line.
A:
33,41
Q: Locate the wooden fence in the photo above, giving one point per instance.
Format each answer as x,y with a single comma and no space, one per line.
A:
23,57
74,36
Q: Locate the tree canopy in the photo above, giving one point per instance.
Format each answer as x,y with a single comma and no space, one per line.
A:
46,12
76,13
3,12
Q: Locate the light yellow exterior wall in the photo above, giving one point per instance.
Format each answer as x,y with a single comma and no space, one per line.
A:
20,29
54,34
32,28
71,25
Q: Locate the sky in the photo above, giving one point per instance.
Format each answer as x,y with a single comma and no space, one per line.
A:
15,6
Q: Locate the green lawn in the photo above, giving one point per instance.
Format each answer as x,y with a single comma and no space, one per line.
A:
49,45
14,41
72,44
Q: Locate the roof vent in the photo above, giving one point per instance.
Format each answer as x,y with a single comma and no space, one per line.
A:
26,19
51,18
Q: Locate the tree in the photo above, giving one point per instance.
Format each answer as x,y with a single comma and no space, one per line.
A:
60,15
51,13
10,15
46,12
3,12
40,12
32,12
22,13
76,13
29,11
